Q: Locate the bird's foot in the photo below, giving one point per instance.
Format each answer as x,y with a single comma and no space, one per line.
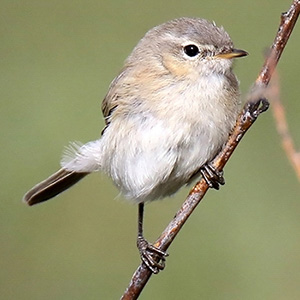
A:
152,257
254,109
212,176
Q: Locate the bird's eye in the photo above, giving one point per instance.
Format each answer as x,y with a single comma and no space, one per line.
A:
191,50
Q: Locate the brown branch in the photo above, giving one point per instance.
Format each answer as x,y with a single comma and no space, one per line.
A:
282,125
255,105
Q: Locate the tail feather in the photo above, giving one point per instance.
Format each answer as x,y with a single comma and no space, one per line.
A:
52,186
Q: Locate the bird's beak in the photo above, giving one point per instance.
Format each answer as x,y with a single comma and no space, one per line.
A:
232,54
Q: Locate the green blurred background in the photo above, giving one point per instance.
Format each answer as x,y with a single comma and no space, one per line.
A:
57,59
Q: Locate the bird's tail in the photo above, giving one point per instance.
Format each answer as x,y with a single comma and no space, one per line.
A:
52,186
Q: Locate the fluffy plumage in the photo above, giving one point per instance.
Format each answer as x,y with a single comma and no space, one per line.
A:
167,114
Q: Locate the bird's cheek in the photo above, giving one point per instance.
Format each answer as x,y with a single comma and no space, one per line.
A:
176,67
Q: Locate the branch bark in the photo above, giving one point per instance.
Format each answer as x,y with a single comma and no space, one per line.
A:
255,105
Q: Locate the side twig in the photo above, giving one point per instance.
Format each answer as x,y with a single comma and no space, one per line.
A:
282,125
255,105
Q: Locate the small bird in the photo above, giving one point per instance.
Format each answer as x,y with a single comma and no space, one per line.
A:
167,114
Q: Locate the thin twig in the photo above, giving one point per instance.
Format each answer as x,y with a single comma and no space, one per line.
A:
282,125
253,107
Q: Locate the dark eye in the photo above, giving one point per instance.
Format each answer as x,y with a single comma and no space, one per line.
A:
191,50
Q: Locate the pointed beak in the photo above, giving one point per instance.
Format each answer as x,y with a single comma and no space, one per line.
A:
232,54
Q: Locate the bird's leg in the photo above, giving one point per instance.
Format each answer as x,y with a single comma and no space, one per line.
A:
152,257
213,177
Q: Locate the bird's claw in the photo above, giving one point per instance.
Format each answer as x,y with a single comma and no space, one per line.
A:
212,176
254,109
152,257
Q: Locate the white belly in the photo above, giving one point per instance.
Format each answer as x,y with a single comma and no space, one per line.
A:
151,153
